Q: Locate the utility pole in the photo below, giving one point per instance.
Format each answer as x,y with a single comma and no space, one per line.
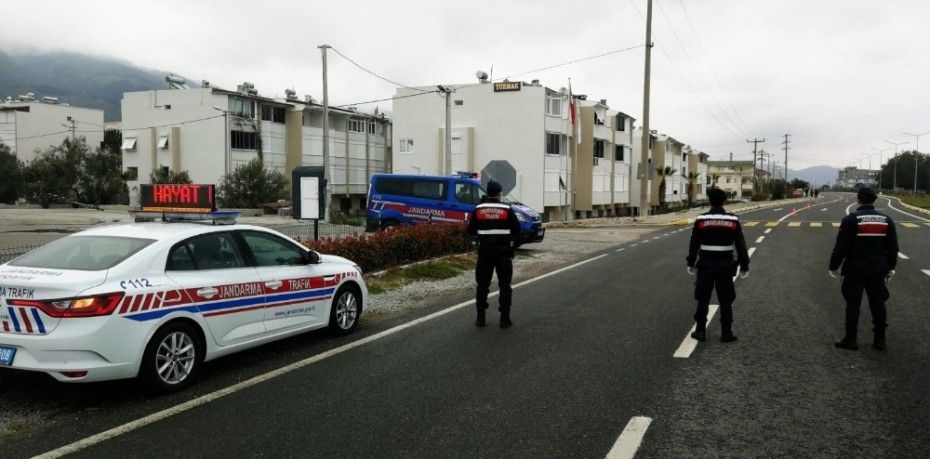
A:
880,151
448,93
916,154
644,156
71,126
755,144
894,180
326,179
785,143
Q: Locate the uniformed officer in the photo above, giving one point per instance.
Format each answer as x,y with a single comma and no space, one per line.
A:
498,231
714,238
867,248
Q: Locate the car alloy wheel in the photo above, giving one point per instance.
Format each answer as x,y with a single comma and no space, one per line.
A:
175,357
346,309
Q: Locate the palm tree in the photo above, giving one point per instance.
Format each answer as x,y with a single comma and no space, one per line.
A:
692,178
664,172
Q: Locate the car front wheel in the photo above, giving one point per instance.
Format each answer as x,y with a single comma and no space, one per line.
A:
347,307
172,358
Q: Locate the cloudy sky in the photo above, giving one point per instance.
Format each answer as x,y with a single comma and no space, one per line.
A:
841,76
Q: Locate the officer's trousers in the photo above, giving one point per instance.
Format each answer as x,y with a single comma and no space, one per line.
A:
489,261
874,287
709,278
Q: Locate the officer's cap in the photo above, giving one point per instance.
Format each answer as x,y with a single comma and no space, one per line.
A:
866,194
494,188
716,196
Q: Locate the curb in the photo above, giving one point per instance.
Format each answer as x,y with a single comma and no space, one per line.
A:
690,221
908,206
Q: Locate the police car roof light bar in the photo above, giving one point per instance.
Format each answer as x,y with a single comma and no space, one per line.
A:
217,217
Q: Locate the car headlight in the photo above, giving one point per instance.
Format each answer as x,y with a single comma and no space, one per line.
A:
522,218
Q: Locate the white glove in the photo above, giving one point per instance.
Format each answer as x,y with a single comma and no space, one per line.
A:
691,270
743,274
834,273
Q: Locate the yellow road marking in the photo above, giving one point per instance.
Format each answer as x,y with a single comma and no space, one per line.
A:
928,224
816,224
836,224
750,223
794,224
909,225
771,224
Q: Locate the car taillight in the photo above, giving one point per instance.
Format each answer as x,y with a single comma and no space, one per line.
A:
85,306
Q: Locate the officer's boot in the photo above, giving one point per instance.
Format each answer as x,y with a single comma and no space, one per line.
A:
700,331
879,342
480,321
848,341
505,318
726,334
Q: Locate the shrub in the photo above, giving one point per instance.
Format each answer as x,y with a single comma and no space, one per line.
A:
12,181
398,246
165,175
251,185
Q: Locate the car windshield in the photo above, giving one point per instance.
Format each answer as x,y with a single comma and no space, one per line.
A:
83,253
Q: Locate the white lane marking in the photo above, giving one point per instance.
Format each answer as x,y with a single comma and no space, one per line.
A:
926,271
164,414
761,238
621,249
634,245
848,211
903,256
657,237
905,213
752,250
824,209
768,231
689,344
632,436
778,209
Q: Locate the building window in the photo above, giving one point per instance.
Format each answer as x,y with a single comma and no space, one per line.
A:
129,144
278,115
554,106
163,142
266,112
242,140
728,179
618,153
459,103
241,107
406,145
553,144
132,173
371,128
598,118
356,126
621,122
599,148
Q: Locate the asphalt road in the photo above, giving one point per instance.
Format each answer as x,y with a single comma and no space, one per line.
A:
592,348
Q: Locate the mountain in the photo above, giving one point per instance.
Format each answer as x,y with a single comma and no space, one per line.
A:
817,175
78,79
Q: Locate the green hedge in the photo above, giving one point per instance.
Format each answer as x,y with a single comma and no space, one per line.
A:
396,246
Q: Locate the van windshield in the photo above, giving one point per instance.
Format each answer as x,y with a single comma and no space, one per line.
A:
83,253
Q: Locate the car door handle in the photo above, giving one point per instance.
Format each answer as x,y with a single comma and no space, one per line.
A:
329,278
208,292
274,285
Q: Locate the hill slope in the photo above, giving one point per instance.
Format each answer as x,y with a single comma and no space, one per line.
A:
78,79
817,175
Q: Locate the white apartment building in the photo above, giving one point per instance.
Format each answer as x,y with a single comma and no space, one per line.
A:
28,125
209,131
519,134
851,177
697,162
734,177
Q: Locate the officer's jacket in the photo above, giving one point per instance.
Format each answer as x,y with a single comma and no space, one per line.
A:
495,224
867,243
715,236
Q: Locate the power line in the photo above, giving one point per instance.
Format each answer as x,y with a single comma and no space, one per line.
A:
387,99
563,64
373,73
697,72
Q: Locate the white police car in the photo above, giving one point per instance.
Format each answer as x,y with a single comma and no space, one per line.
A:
156,300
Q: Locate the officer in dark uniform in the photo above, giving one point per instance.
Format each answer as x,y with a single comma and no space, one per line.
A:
867,248
498,231
714,238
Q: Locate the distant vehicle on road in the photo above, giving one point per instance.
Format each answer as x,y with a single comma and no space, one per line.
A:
798,193
156,300
395,200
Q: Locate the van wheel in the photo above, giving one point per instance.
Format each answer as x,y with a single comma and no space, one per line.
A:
172,358
389,224
347,307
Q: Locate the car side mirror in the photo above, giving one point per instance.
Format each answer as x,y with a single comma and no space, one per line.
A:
312,258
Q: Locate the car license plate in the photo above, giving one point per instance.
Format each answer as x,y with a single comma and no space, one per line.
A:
6,355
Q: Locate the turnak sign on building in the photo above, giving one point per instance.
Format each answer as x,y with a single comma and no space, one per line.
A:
507,86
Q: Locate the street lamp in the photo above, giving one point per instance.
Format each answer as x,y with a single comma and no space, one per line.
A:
916,154
894,181
880,151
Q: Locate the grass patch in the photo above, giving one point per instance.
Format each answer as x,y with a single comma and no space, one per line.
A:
524,253
917,201
446,268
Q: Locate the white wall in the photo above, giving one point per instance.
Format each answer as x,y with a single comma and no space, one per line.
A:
47,125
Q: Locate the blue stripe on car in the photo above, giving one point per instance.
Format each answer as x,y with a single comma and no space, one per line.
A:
231,304
14,319
35,315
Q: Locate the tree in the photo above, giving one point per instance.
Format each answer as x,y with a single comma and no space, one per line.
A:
102,180
663,172
905,167
56,173
798,183
112,141
692,179
165,175
251,185
12,182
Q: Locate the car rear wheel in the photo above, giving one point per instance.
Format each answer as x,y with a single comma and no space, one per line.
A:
347,307
389,224
172,358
